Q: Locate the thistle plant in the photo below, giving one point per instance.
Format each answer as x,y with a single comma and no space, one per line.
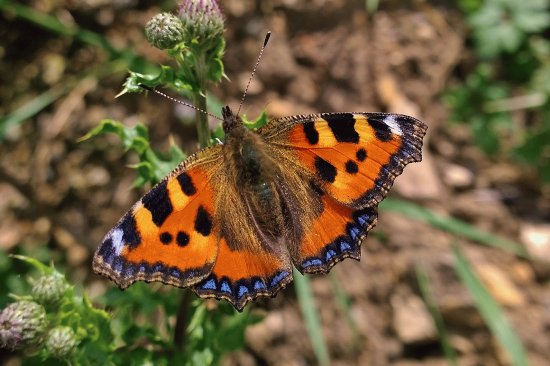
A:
22,324
164,31
61,342
52,321
49,289
192,37
194,41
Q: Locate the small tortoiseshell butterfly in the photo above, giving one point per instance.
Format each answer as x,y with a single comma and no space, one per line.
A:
231,220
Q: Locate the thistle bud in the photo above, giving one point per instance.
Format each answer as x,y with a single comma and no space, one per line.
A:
201,18
22,323
61,342
164,30
49,289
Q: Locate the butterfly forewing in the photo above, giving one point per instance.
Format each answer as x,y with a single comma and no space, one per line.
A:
170,234
355,156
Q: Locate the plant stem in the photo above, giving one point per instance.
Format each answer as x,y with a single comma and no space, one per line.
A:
203,132
181,319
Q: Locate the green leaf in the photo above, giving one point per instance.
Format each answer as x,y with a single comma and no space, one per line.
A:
311,317
135,138
424,285
152,167
163,77
35,263
215,70
490,310
260,121
452,225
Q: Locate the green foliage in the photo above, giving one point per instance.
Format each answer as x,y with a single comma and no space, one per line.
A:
428,297
513,76
153,167
72,329
311,317
491,311
453,226
69,321
469,103
502,25
209,333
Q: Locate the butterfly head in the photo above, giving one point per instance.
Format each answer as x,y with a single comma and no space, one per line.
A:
230,121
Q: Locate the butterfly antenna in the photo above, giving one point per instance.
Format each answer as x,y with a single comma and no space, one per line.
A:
181,102
254,70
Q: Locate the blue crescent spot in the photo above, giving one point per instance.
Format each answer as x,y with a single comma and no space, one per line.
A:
278,278
353,232
117,266
225,287
363,219
344,246
176,273
330,253
259,285
242,290
209,285
128,271
142,268
312,262
157,267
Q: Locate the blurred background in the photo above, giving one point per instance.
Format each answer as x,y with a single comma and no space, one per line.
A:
477,72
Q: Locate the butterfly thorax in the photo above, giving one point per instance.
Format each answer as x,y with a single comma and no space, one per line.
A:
255,176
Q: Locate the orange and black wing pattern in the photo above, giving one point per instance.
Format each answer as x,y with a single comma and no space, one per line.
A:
334,236
241,275
197,229
355,158
169,235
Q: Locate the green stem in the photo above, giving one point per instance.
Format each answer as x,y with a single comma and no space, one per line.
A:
203,131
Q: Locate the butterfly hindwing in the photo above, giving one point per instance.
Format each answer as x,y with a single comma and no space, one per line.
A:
335,235
170,234
356,156
243,275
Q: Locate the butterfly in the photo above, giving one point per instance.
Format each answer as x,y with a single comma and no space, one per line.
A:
232,220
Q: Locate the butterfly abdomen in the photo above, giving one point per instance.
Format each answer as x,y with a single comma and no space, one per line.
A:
255,179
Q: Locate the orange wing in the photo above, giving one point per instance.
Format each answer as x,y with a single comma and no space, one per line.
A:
355,156
169,235
335,235
242,275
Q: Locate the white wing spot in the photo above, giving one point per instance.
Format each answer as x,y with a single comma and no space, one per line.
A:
116,237
393,125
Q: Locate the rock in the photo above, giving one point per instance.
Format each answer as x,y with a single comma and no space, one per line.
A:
499,285
536,238
458,176
485,208
411,320
420,181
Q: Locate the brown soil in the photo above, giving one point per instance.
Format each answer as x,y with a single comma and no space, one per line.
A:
323,56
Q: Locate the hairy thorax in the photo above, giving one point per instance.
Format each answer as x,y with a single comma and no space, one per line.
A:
257,178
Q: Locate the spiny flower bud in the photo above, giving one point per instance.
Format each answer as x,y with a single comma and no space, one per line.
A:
49,289
164,30
22,323
61,342
201,18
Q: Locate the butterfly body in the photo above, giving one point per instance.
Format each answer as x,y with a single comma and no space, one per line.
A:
232,220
